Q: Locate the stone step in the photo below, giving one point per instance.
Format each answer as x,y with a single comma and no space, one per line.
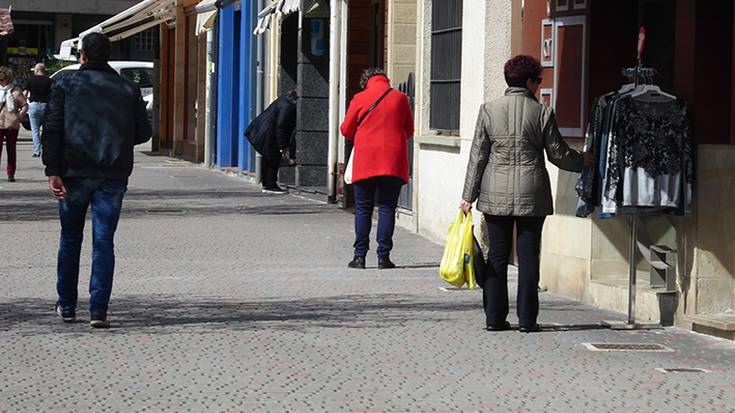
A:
720,325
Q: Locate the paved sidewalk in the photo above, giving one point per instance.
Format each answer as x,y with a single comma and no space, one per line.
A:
229,300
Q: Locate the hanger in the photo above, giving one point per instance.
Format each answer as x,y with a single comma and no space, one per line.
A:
651,93
626,88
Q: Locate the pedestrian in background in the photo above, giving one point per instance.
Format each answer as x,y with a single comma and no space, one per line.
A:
37,89
379,121
507,176
12,107
271,134
93,119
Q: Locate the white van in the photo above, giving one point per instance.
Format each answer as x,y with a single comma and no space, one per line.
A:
141,73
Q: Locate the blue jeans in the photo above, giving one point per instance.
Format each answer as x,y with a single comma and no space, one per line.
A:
36,111
388,189
105,196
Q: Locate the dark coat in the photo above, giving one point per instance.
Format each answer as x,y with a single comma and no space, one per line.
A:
272,130
93,119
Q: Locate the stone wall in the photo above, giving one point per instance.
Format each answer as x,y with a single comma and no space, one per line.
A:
401,40
312,110
441,160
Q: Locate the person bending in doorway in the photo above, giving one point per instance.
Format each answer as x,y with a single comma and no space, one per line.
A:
271,134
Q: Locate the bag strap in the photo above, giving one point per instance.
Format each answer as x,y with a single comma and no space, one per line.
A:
359,121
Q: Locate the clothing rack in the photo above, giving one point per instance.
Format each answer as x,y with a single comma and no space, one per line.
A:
637,75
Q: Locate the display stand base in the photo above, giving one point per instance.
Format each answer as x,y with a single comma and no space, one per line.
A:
624,325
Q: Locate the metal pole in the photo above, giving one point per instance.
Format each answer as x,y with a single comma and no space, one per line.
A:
334,81
208,130
259,88
632,275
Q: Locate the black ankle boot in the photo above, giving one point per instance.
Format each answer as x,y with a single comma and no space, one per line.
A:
384,263
357,262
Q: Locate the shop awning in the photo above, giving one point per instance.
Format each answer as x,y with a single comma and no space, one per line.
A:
142,16
206,15
212,5
65,51
278,8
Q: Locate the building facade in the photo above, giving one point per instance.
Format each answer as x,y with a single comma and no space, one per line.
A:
584,45
449,56
41,26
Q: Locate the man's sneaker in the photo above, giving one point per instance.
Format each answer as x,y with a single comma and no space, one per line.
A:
99,323
68,316
11,178
274,190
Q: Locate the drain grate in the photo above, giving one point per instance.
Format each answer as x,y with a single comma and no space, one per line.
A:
682,370
627,347
165,211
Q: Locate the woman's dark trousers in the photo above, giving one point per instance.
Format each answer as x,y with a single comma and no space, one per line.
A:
528,244
388,188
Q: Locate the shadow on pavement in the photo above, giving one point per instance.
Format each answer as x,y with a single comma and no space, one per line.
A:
579,327
156,314
38,205
167,314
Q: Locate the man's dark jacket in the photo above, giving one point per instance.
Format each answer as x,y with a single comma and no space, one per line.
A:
273,129
93,119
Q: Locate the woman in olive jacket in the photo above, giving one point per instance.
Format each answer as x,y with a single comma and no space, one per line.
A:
507,177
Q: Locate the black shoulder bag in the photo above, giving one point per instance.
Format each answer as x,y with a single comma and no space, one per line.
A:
377,102
348,168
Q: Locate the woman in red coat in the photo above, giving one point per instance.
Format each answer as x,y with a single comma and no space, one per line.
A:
380,160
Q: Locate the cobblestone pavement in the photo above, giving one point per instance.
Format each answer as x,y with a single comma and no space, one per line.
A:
228,300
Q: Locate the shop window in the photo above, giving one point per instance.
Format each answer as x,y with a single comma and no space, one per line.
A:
570,75
547,43
145,40
446,64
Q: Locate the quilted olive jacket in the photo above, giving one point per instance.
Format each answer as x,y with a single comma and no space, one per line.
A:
506,173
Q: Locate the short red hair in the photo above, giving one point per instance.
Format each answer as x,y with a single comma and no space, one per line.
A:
521,68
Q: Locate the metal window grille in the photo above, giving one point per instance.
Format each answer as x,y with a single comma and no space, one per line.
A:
144,40
446,64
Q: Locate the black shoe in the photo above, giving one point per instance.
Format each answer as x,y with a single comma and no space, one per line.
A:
36,155
68,316
530,329
498,327
11,178
274,190
357,262
384,263
99,322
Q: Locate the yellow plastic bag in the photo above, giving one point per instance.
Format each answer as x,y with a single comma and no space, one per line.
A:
456,266
469,252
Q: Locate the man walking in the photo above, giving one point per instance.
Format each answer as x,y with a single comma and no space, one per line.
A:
37,90
93,119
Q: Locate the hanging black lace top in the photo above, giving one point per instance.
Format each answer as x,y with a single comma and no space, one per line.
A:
653,136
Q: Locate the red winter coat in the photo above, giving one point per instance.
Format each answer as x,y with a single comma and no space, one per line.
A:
381,141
